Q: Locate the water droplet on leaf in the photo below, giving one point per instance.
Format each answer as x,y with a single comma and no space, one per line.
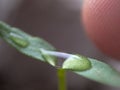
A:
50,59
77,63
18,40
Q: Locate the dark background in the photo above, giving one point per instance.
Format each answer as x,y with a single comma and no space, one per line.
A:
57,21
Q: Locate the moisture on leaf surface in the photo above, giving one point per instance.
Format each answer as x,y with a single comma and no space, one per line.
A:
77,63
36,47
24,42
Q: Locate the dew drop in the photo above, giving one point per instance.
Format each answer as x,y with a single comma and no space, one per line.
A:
18,40
77,63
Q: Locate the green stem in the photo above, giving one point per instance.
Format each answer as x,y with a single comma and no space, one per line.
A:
61,73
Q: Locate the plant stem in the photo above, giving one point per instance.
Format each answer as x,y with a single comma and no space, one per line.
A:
61,73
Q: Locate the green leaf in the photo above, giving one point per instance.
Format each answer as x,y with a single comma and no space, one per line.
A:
25,43
37,47
102,73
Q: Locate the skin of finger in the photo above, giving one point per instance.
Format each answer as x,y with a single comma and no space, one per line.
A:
101,19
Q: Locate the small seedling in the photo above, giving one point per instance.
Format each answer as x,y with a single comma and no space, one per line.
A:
40,49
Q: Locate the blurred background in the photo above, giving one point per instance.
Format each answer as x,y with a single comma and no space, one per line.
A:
57,21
